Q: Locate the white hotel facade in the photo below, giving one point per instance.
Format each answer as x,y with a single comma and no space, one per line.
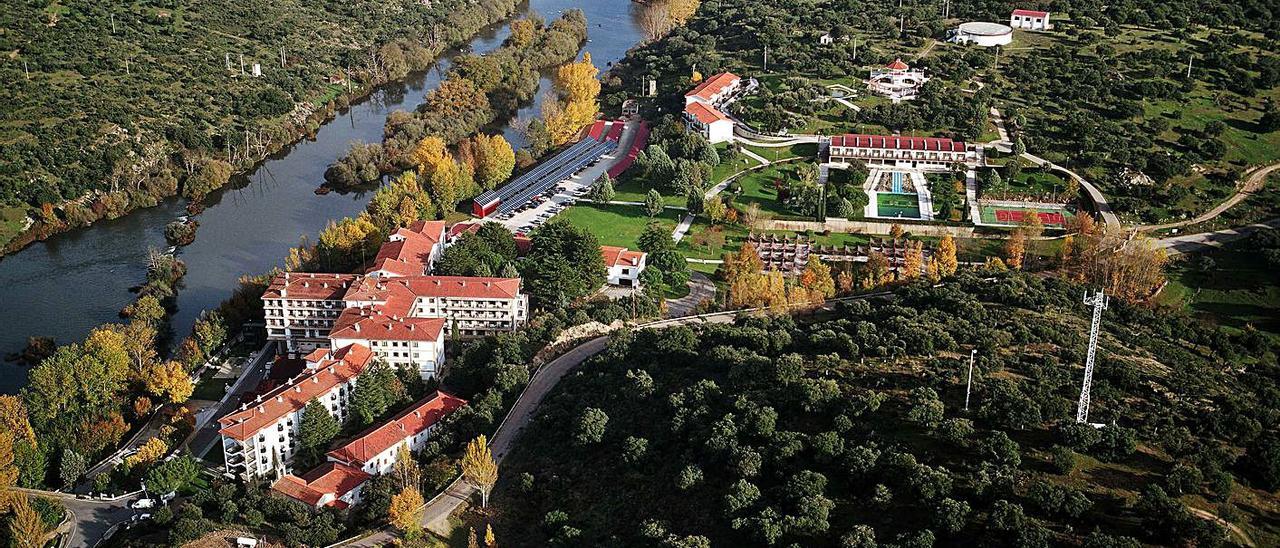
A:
920,153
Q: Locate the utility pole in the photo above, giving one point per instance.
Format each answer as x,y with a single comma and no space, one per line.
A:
26,70
113,23
766,57
968,386
1189,59
241,64
946,9
282,57
1099,302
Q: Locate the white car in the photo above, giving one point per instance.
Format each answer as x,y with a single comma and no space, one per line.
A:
143,503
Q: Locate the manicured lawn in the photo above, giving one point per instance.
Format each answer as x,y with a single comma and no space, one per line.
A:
211,389
759,187
802,150
636,189
618,225
889,204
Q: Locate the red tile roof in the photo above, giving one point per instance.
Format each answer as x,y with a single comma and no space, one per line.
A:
1031,13
309,286
616,256
371,323
330,478
474,287
408,423
713,85
459,229
408,250
704,113
897,64
339,367
898,143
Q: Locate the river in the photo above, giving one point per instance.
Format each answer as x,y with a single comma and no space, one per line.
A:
65,286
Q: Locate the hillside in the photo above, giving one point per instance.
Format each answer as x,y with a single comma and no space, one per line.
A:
840,428
133,98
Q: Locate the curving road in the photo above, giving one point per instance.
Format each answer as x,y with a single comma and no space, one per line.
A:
1252,184
90,518
436,513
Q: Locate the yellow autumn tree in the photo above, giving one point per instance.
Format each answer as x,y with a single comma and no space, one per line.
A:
450,181
8,469
817,281
428,152
169,380
495,160
1015,248
579,91
479,468
13,419
148,453
946,256
405,508
489,540
26,527
522,32
682,10
913,260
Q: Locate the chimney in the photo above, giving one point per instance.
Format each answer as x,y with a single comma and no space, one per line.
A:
297,388
279,399
356,326
260,409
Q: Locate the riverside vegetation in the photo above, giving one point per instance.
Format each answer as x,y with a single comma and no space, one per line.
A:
94,127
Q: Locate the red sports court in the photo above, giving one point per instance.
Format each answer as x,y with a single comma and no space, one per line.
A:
1017,215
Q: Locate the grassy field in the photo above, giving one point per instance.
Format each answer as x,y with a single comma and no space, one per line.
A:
634,188
1037,183
758,187
1238,290
12,219
906,206
618,225
802,150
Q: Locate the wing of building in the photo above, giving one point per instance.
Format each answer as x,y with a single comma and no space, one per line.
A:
903,152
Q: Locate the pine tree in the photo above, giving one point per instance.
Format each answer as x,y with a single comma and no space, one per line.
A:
653,203
317,429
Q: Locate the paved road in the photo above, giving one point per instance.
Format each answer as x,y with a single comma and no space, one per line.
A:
436,513
1188,243
1252,184
203,439
700,288
90,518
1099,199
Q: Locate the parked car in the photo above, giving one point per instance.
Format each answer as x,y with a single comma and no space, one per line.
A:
142,504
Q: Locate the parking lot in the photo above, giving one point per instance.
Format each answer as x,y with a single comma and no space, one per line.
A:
542,207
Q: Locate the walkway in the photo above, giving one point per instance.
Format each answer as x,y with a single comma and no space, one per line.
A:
1254,181
700,289
1099,199
1188,243
755,156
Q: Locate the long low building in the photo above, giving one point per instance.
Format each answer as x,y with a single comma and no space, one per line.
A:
931,153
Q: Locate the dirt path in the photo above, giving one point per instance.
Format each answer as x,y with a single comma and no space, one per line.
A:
1239,533
1252,184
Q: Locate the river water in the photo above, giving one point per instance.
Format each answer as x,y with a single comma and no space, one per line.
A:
72,282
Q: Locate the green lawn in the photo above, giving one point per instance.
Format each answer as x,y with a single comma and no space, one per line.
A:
211,389
758,187
618,225
634,188
12,219
1237,290
802,150
1037,183
889,204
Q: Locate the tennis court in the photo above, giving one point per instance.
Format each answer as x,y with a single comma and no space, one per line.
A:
906,206
1006,215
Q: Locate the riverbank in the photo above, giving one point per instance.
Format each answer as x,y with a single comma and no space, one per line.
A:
161,183
66,285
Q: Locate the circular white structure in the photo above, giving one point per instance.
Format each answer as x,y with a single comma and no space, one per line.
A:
984,34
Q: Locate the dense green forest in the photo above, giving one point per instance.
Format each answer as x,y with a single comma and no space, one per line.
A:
848,428
1106,93
134,100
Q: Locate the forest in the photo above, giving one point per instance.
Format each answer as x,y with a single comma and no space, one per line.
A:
127,103
851,427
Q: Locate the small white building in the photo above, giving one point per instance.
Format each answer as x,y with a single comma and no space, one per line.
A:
375,450
1030,20
624,265
710,122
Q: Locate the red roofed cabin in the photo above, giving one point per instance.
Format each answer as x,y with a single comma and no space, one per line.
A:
928,153
624,265
330,484
714,90
1030,20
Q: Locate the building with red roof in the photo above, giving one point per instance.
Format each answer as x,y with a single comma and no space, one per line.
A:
715,89
928,153
375,450
624,265
338,483
410,250
709,121
1030,20
300,308
331,484
897,81
260,438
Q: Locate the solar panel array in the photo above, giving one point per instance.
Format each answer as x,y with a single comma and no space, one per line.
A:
547,175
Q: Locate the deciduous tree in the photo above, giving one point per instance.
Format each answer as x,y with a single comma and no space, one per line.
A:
479,468
406,507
